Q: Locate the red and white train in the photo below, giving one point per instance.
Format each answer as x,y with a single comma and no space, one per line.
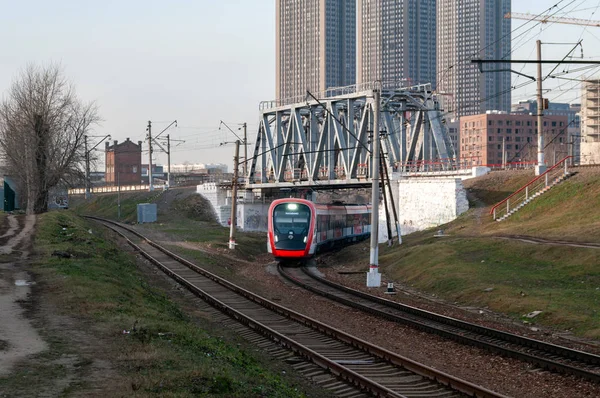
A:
298,227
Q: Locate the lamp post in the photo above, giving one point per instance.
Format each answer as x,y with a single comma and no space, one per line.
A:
87,162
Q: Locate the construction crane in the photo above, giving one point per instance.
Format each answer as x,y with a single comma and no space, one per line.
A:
549,18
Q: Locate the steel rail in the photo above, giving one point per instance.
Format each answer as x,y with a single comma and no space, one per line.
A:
339,367
490,339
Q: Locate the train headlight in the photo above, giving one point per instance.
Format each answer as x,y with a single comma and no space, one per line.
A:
292,206
304,239
276,239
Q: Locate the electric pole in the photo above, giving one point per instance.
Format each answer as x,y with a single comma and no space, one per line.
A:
373,276
87,168
168,151
149,128
236,160
541,167
245,154
87,162
118,195
168,161
504,152
238,137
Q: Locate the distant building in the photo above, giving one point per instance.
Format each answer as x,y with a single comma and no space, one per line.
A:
158,173
470,29
396,41
199,168
572,111
497,138
453,127
123,163
590,122
315,46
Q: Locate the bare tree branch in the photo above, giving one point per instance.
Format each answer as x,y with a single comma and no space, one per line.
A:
42,129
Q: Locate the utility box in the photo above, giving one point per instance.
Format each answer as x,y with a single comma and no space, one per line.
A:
146,212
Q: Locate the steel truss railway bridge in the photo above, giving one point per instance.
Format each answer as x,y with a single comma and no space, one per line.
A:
325,139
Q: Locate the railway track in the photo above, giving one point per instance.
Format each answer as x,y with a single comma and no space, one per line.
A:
544,355
344,364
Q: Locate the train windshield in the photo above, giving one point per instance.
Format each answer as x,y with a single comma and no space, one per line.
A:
291,222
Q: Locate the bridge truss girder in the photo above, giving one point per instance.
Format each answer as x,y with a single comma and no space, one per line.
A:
331,139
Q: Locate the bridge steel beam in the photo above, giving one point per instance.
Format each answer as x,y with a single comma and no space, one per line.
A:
331,139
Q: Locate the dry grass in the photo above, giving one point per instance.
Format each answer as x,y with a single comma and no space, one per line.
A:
561,281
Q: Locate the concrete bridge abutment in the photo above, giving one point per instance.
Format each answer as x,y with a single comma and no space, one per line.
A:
422,202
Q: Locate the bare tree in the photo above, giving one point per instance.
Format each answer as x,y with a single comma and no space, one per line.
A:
42,129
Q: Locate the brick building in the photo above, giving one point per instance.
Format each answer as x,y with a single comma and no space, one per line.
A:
123,163
496,138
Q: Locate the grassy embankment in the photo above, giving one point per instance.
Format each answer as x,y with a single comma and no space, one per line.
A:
561,281
168,354
182,215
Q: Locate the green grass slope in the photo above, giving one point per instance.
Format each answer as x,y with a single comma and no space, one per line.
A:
569,211
472,266
182,215
154,347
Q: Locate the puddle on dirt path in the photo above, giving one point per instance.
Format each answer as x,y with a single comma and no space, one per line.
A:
19,338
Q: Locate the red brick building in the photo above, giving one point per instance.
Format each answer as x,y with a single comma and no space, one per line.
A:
495,138
123,163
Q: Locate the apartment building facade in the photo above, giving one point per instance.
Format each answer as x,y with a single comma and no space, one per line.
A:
466,30
590,122
496,139
571,111
315,47
396,41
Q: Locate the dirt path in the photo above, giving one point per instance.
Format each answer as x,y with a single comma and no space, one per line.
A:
13,224
540,241
18,338
22,236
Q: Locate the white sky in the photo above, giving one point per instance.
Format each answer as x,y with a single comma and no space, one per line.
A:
202,61
557,40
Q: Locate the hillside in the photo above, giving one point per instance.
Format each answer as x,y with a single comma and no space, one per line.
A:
471,265
570,211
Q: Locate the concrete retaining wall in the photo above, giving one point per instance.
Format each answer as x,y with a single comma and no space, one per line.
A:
421,203
427,203
218,199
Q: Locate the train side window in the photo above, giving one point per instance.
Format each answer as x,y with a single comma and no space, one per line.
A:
323,222
339,221
365,219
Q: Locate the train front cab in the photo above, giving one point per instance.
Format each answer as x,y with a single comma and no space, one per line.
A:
291,229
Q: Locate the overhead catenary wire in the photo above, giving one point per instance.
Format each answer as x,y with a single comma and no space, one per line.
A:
564,10
209,141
